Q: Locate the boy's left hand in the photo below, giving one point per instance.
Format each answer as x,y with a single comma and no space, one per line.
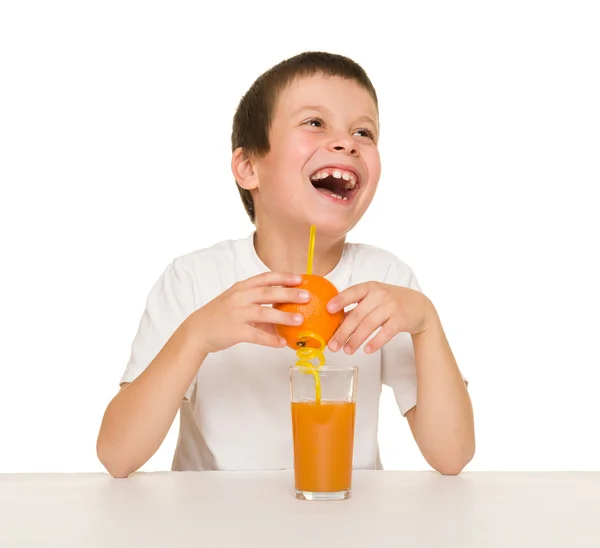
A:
392,308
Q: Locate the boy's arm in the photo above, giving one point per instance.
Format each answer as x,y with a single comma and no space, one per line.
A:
138,418
416,362
442,422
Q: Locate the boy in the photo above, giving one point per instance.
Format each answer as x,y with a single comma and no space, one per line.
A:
304,152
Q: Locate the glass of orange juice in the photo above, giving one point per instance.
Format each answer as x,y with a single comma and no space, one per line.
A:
323,431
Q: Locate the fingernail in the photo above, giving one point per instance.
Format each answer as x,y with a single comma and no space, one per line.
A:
297,278
333,346
368,349
304,295
282,342
348,349
298,318
331,307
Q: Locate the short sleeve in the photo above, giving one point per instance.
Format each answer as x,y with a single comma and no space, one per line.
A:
170,301
398,367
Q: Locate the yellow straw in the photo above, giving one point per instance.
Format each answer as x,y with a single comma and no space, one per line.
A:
305,354
311,249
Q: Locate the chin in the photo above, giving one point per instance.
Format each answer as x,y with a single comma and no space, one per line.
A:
335,217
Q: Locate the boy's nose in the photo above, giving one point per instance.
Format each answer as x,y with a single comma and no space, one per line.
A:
352,151
345,145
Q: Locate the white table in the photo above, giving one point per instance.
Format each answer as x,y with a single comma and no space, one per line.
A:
206,509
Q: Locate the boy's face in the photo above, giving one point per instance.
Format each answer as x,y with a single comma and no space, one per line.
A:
323,166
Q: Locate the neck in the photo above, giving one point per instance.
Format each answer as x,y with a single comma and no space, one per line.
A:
285,248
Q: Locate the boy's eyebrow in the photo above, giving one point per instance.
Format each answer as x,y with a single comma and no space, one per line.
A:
320,108
367,119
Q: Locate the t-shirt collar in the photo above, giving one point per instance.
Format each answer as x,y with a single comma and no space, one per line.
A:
339,275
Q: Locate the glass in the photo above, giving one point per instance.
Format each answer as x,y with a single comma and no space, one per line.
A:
323,431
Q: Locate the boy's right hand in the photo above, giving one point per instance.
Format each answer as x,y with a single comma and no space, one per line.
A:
239,315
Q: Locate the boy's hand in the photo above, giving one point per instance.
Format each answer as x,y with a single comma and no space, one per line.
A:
238,314
392,308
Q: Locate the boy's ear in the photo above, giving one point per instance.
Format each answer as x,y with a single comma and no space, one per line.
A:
243,170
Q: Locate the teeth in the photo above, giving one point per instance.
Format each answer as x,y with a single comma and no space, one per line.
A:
338,174
333,194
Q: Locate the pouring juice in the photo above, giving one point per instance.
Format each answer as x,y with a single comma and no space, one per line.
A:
323,398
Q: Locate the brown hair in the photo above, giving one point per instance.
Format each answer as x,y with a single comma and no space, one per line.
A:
253,117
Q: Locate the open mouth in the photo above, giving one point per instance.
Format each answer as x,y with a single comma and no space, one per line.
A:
337,183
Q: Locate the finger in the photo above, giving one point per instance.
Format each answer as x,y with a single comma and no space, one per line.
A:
266,327
271,278
348,296
385,335
267,314
351,321
272,295
261,337
366,328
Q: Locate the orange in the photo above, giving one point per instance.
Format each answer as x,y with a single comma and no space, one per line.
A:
316,317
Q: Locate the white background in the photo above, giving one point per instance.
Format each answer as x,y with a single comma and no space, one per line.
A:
115,120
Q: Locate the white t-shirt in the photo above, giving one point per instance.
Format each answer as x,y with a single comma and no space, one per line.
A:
236,413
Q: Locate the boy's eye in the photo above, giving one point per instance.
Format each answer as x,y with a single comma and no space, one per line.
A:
366,133
315,122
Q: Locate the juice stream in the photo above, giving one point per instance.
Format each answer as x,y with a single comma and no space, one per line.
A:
306,354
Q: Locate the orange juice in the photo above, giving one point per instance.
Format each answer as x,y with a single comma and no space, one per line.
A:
323,445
